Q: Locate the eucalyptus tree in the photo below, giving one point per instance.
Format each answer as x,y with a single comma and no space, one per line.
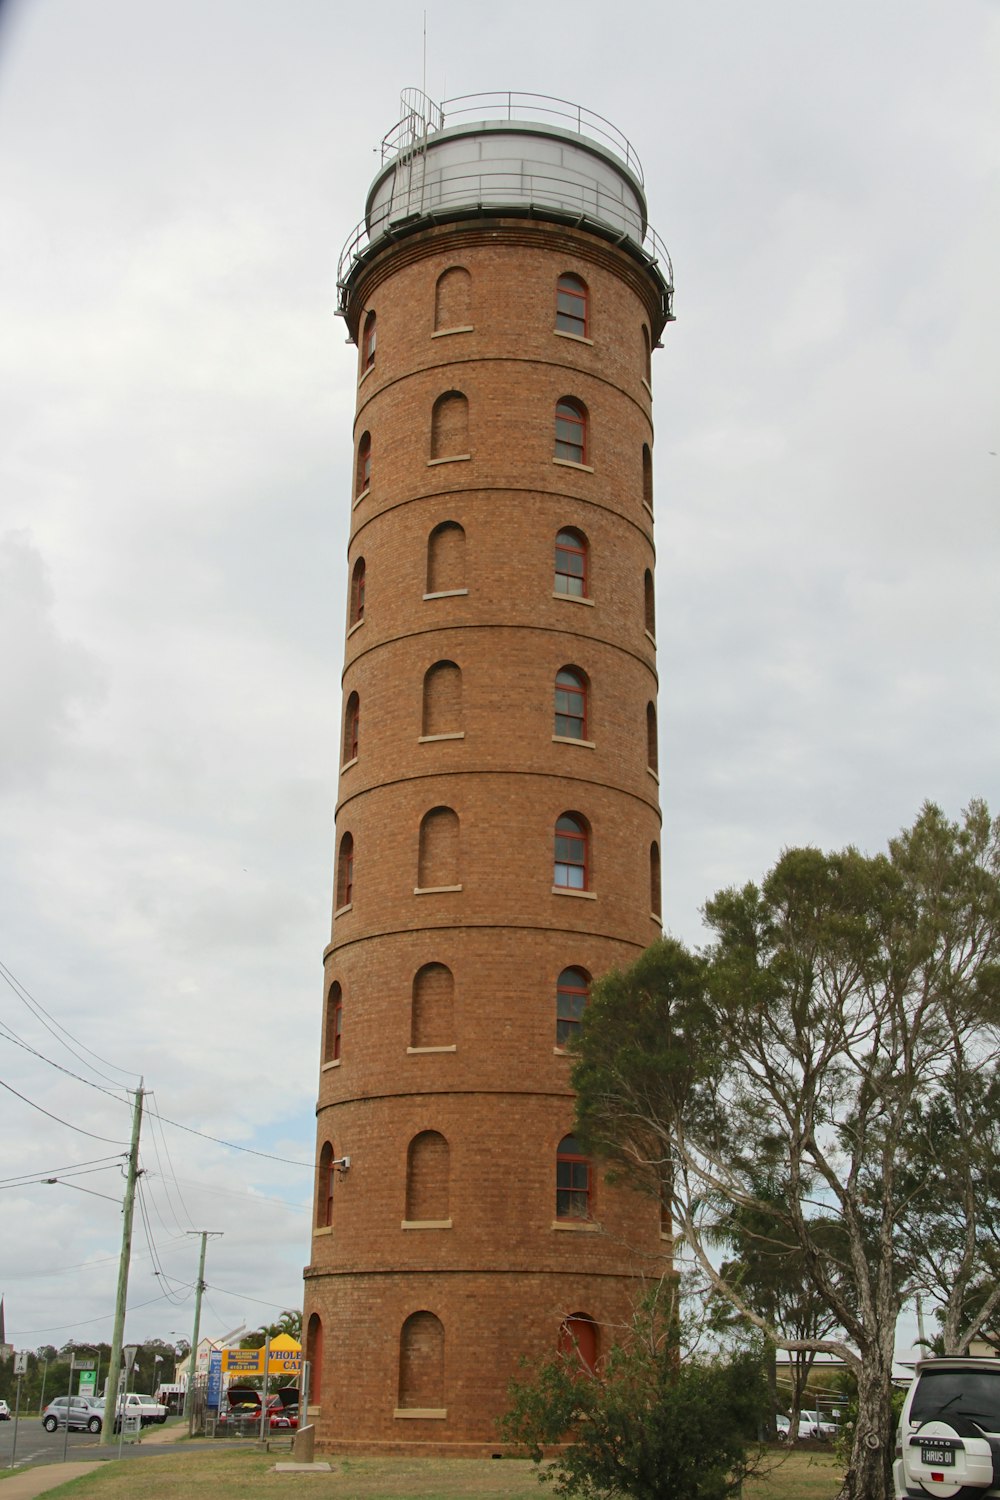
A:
839,1007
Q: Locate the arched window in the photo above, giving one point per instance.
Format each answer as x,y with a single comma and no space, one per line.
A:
345,872
654,880
442,709
652,750
324,1187
571,704
427,1178
573,1174
446,558
452,299
650,603
571,563
421,1363
647,363
314,1354
572,993
437,863
432,1017
571,430
358,592
363,471
450,426
352,727
571,305
571,851
578,1341
368,343
334,1023
647,476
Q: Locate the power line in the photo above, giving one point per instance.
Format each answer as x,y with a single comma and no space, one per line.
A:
232,1146
58,1171
36,1006
23,1333
11,1036
78,1128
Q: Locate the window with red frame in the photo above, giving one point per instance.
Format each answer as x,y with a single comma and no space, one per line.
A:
571,305
352,726
345,872
571,564
572,1180
578,1341
358,592
571,430
364,475
334,1023
368,343
571,853
324,1194
572,993
571,704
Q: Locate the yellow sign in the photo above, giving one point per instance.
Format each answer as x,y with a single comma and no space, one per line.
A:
286,1359
243,1361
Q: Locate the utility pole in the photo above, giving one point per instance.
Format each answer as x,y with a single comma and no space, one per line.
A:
193,1357
117,1338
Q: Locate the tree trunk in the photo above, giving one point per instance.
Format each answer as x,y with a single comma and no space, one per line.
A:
869,1473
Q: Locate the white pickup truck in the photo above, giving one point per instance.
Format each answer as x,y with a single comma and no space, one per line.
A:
148,1410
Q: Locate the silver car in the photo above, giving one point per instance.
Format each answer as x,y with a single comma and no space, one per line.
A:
86,1414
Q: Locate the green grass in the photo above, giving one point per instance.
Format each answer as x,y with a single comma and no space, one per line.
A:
246,1472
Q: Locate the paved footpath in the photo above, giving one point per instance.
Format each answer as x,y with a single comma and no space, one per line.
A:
27,1483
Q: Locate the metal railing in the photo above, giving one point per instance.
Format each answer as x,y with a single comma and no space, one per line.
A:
531,192
421,117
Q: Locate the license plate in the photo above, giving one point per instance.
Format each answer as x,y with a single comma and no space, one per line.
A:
938,1458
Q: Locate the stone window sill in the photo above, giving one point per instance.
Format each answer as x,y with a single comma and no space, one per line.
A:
566,739
577,338
425,1224
649,511
365,374
566,890
333,1063
569,463
342,909
651,637
363,496
349,763
454,458
576,1226
327,1229
356,626
646,383
419,1051
425,1413
431,739
434,890
446,594
651,772
443,333
572,598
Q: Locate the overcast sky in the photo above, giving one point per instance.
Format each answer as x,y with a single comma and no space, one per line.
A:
176,400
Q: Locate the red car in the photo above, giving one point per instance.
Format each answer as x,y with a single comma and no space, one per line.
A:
241,1413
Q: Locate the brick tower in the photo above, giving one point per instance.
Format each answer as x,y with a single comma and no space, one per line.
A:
498,827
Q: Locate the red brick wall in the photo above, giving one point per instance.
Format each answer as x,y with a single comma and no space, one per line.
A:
498,1272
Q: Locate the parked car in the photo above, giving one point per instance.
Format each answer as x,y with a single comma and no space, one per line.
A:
4,1411
948,1442
241,1410
148,1409
85,1413
812,1424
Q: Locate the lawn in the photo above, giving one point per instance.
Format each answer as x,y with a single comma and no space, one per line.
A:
246,1472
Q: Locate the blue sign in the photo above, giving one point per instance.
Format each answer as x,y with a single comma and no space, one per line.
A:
214,1395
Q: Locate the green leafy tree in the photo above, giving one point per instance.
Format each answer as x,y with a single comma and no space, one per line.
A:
841,1004
645,1423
